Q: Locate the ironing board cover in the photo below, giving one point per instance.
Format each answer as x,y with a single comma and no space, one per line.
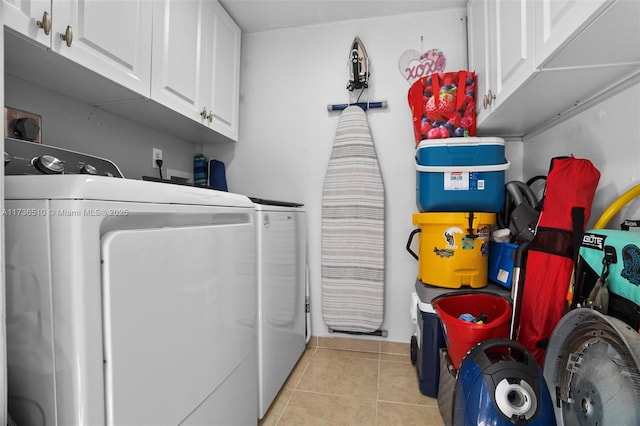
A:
353,230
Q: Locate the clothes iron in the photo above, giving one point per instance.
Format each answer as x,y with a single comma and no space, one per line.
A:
358,66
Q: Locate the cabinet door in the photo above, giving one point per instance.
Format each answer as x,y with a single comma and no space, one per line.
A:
178,63
25,17
224,73
557,20
480,45
112,38
514,59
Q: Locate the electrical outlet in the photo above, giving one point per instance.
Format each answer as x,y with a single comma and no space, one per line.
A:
157,155
22,125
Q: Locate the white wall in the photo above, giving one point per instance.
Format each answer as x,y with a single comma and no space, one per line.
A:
608,135
67,123
286,133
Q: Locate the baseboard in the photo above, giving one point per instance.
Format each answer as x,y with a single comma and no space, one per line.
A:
359,345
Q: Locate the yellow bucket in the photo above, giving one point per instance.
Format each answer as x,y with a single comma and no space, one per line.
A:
454,248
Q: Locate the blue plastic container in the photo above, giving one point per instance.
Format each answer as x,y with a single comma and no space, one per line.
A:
460,174
430,337
501,257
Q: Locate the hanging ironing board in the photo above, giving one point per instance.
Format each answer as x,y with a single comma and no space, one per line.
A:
353,230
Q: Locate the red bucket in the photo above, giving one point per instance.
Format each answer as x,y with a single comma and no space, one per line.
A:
460,335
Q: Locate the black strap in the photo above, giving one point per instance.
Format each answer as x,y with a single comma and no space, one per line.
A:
470,230
577,216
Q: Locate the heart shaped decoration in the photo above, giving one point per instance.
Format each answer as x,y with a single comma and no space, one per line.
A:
413,65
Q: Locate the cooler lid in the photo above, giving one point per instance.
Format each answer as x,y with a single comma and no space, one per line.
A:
470,141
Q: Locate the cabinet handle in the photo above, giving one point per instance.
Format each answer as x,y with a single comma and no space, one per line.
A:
45,24
487,99
210,116
203,114
67,36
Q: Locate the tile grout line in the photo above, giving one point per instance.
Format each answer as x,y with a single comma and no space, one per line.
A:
361,398
378,385
295,389
380,352
409,403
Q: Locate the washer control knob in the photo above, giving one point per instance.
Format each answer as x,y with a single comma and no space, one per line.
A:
48,164
88,169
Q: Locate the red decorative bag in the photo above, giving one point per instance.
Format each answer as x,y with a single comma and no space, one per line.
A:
443,105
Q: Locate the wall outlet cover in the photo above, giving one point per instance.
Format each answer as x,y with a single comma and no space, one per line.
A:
157,155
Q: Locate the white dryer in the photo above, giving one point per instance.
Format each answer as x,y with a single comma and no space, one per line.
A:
128,302
281,254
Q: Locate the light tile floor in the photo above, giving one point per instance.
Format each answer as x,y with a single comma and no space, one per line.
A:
373,385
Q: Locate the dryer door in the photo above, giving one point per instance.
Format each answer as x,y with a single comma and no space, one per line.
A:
179,318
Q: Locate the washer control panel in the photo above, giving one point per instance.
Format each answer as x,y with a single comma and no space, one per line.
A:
29,158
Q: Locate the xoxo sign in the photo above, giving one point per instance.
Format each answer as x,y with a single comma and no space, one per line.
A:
413,65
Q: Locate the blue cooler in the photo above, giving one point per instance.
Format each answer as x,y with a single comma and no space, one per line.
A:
501,259
460,174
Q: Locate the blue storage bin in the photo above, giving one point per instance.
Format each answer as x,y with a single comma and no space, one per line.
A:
461,174
430,339
501,256
428,362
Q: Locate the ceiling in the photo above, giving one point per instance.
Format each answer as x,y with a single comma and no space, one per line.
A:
261,15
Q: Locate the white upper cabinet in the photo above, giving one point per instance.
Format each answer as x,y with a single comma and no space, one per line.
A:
513,29
502,49
538,60
609,38
224,74
30,18
481,54
179,63
196,60
180,57
112,38
557,20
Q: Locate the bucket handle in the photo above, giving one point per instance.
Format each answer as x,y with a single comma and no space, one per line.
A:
408,247
485,168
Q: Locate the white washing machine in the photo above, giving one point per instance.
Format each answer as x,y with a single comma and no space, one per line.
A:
281,231
128,302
